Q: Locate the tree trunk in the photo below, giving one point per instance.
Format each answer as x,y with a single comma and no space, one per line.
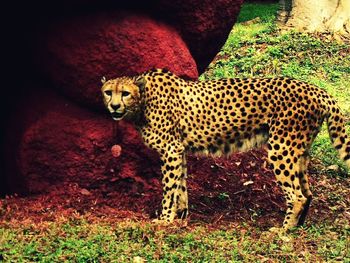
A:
284,11
316,15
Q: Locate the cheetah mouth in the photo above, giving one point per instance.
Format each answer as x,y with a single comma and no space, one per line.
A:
117,115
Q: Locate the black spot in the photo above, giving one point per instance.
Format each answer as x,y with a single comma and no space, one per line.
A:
285,184
273,158
299,175
171,201
227,148
212,149
338,146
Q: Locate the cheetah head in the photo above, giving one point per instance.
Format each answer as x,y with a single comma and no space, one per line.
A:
122,96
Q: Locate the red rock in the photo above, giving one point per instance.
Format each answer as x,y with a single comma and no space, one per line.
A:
204,24
83,49
61,142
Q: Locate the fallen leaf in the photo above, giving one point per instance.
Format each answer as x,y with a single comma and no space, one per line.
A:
248,183
85,192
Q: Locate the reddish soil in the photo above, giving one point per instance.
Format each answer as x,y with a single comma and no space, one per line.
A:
220,189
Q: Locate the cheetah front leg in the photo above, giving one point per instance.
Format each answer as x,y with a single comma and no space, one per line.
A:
174,185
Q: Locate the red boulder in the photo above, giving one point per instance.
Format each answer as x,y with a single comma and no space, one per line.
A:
60,142
83,49
204,24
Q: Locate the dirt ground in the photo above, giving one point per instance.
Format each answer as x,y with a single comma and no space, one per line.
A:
235,189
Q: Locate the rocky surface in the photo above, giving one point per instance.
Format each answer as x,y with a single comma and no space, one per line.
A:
204,24
58,141
81,51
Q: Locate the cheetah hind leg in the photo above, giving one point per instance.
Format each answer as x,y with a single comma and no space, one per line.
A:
304,183
298,195
288,177
182,204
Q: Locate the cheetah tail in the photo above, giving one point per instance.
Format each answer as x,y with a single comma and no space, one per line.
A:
337,133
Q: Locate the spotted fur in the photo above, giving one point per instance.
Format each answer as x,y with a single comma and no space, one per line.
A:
222,116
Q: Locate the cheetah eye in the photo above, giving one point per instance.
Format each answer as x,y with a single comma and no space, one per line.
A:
125,93
108,92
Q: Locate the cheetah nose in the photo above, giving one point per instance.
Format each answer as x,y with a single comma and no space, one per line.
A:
115,107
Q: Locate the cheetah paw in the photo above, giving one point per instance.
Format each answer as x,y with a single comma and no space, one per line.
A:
161,222
175,222
282,233
277,230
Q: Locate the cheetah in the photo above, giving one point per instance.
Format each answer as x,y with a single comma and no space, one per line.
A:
175,116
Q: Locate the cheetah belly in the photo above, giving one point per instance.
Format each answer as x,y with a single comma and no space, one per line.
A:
219,141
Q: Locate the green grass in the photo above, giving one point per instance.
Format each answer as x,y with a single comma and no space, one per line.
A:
260,49
81,241
249,11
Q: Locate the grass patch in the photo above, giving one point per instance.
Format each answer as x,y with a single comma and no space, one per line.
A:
249,11
81,241
323,150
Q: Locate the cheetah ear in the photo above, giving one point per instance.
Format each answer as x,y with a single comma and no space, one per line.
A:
103,80
140,81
